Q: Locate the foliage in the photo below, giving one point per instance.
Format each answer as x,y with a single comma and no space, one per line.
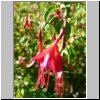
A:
25,45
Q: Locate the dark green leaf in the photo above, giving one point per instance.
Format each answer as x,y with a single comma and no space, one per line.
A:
51,9
68,30
66,3
52,19
68,10
58,26
69,53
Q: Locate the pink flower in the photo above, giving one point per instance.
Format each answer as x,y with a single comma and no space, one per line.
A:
50,59
58,72
27,22
45,59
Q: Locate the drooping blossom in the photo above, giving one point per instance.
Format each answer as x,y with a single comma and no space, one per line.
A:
27,21
50,59
41,63
57,68
58,72
44,59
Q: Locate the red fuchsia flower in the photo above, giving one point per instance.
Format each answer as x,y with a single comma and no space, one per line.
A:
41,68
27,22
45,59
50,59
58,72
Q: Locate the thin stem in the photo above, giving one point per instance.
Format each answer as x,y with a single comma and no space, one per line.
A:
61,33
70,66
40,39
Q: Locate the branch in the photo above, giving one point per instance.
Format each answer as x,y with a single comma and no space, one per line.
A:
70,66
30,65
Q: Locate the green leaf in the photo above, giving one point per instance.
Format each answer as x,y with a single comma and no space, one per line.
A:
66,3
69,55
57,23
58,3
58,26
68,30
18,93
67,9
52,19
51,9
73,51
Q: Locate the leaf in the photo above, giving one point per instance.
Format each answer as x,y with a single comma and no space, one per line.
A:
18,93
58,26
73,51
68,9
68,30
66,3
52,19
69,54
58,3
51,9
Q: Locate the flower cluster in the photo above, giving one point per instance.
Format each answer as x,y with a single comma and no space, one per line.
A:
49,60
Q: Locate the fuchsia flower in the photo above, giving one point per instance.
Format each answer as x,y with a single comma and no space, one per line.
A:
58,72
50,59
41,63
45,59
27,22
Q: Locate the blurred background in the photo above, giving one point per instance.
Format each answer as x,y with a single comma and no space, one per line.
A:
25,47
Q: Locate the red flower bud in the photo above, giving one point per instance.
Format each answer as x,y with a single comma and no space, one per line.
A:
40,39
27,22
64,39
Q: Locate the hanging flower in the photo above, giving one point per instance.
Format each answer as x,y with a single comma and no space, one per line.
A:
41,69
47,60
57,69
27,21
44,59
50,59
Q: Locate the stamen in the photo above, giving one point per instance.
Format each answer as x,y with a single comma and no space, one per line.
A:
59,85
